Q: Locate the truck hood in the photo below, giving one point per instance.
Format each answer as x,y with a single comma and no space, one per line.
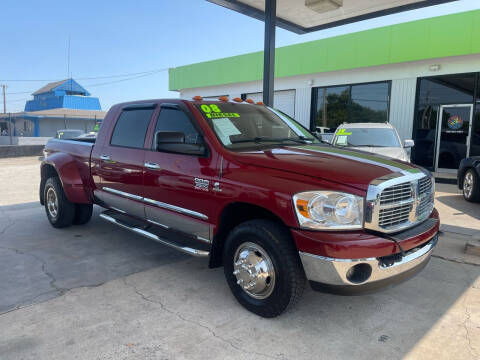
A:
330,163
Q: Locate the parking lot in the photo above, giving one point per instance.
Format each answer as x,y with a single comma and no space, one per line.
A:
99,292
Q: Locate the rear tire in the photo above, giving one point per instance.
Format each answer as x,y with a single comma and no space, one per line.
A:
471,186
60,211
270,280
83,213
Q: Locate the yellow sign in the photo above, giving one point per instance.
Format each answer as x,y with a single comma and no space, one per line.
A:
343,132
221,115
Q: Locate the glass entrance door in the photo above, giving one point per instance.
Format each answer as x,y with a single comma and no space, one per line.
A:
453,136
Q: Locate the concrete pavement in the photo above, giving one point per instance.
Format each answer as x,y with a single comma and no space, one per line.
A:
99,292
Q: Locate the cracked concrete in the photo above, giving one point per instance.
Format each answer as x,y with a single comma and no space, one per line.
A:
98,292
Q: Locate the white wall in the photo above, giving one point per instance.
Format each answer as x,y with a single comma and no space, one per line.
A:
49,126
403,78
402,106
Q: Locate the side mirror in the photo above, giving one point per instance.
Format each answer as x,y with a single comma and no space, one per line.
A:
408,143
174,142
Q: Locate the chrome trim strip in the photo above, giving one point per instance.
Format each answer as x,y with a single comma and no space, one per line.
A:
118,210
187,250
121,193
158,224
333,271
175,208
203,239
157,203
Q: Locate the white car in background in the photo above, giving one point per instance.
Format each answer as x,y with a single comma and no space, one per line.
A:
376,138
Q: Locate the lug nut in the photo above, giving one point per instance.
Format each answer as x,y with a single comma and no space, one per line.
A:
239,281
236,272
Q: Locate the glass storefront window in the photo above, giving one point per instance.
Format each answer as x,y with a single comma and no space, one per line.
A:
332,105
432,94
335,105
369,103
449,89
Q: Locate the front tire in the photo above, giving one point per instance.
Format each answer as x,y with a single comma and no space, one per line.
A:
471,186
262,268
83,213
60,211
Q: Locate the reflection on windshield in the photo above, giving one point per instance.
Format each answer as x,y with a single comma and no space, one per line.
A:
237,124
367,137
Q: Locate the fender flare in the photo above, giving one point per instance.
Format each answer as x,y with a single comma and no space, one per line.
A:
76,187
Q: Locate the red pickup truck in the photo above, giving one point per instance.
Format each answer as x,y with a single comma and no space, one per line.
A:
253,191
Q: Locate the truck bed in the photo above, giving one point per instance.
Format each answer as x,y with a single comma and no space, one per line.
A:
80,149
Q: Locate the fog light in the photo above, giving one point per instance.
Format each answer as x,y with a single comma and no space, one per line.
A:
359,273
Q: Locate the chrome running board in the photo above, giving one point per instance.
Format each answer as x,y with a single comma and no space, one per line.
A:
151,236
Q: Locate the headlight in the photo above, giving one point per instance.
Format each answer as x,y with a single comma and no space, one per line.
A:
328,210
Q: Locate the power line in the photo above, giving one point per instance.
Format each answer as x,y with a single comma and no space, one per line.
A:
91,77
143,74
20,92
117,81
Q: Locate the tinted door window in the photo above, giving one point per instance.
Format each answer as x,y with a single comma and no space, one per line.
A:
475,142
455,126
173,120
425,134
131,128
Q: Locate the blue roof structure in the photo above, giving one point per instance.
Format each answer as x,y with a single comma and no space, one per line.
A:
66,94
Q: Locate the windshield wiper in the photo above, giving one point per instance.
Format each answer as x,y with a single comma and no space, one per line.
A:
300,139
369,145
259,139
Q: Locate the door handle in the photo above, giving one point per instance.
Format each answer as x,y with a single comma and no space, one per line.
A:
152,166
105,157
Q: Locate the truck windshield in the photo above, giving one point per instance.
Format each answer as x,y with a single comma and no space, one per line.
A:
241,125
368,137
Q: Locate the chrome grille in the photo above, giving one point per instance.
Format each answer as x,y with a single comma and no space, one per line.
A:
424,185
398,201
395,215
396,193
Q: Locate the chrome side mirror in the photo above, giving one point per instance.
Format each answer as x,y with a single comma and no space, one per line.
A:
408,143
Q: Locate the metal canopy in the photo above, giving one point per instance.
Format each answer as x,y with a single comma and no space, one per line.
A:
303,16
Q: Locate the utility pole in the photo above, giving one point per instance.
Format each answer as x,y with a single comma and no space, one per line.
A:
269,51
4,99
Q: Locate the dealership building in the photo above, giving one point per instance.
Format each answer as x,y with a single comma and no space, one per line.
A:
423,77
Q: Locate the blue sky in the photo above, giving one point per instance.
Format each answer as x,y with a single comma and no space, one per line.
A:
124,36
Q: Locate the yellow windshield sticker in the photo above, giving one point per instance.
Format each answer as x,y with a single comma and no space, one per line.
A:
212,111
210,108
222,115
343,132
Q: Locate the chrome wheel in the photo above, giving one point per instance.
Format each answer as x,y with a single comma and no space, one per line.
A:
52,202
254,270
468,184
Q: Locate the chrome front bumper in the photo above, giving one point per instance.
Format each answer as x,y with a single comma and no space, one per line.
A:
332,274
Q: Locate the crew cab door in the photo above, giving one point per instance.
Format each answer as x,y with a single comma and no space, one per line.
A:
122,161
178,186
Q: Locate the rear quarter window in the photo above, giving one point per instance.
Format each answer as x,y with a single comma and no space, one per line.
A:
131,128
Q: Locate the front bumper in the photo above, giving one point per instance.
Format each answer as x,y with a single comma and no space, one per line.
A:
350,276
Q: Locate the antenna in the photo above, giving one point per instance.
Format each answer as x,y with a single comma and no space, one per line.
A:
68,59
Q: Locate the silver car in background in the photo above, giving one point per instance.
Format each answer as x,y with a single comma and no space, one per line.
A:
376,138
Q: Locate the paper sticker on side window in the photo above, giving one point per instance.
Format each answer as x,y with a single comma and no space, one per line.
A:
341,140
